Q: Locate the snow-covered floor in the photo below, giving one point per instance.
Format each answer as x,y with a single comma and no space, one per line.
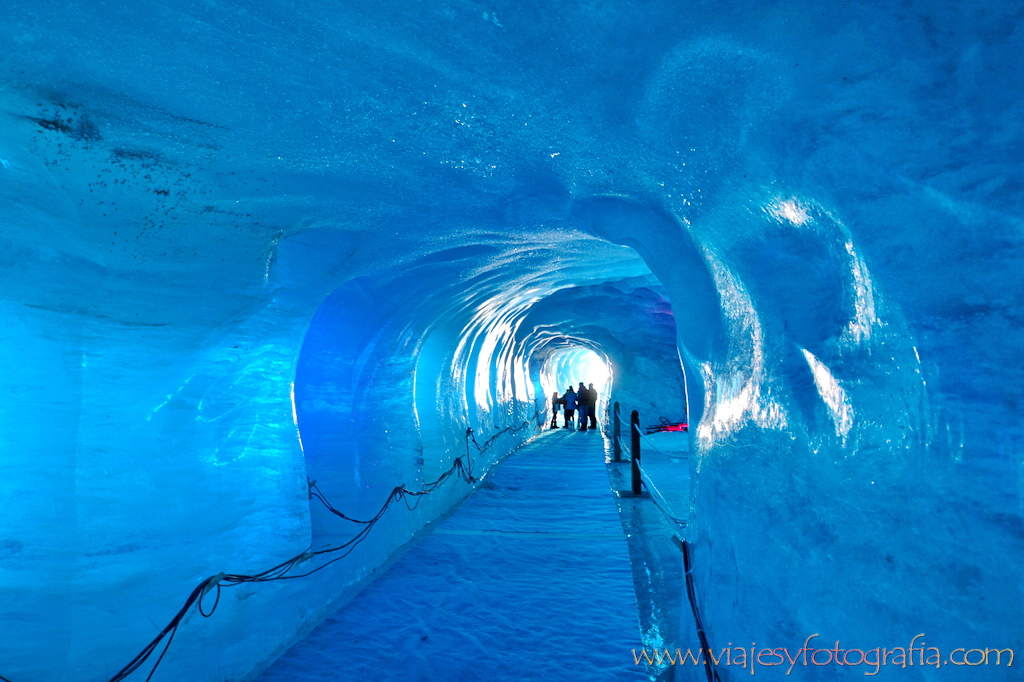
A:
529,580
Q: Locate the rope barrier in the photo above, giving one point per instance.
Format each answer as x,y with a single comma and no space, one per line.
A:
647,482
710,669
691,594
507,429
655,496
463,469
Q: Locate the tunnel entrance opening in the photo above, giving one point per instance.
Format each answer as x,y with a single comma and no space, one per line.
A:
571,363
570,366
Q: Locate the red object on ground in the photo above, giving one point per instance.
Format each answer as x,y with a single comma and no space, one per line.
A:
668,426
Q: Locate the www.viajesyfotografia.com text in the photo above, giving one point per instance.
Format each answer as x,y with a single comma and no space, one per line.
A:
811,654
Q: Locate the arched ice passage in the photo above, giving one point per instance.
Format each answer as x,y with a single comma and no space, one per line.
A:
799,223
394,368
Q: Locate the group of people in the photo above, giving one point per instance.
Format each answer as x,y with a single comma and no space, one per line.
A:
582,401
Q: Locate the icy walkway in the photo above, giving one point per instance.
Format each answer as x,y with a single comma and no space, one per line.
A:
529,580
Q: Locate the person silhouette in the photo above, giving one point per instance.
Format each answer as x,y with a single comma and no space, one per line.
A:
583,401
592,405
569,400
555,402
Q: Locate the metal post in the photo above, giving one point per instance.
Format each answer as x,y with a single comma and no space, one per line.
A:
634,432
616,434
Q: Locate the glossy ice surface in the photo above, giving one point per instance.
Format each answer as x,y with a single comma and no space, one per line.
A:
248,244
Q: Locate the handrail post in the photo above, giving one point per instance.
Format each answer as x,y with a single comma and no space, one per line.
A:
634,431
616,434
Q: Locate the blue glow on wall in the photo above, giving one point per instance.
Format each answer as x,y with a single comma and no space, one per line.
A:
243,246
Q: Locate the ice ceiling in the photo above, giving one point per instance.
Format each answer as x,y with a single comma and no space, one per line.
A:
225,226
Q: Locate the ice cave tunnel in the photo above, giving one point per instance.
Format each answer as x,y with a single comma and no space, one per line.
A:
266,261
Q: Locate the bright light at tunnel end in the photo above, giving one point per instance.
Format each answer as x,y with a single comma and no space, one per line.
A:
572,365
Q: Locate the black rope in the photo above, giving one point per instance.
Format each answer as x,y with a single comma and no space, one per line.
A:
709,668
665,512
654,497
507,429
463,468
168,632
216,601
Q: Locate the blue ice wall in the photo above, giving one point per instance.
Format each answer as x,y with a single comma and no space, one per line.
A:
208,207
